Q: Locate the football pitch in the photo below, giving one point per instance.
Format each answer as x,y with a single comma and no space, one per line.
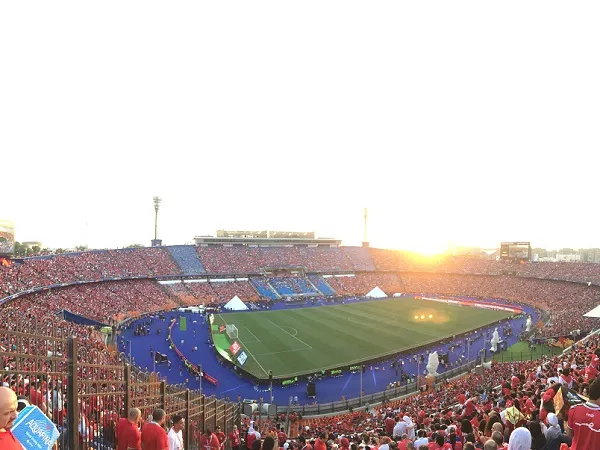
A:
307,340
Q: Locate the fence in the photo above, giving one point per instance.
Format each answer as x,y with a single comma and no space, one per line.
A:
85,389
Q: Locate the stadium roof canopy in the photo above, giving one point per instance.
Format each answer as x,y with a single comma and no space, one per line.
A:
594,312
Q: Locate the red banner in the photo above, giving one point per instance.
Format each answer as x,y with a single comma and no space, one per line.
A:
235,347
211,380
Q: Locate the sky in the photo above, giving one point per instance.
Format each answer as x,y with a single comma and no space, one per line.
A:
471,122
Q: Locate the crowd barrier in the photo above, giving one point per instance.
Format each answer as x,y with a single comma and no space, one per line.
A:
86,390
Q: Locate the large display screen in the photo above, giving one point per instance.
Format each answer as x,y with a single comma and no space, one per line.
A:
515,251
7,238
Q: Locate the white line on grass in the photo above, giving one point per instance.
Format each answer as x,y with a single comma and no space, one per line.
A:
247,349
297,338
257,339
283,351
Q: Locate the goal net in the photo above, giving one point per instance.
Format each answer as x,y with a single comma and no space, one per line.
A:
232,331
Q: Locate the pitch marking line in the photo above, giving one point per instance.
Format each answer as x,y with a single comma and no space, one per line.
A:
253,335
297,338
247,349
282,351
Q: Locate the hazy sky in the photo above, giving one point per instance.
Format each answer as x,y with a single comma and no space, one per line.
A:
475,122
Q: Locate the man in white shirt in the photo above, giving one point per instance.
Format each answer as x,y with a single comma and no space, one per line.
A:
175,436
422,439
400,428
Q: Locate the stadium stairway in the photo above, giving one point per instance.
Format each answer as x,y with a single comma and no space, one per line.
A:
186,258
320,284
264,289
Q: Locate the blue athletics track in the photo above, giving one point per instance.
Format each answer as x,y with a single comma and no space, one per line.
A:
231,385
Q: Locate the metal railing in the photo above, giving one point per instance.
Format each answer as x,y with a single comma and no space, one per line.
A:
84,389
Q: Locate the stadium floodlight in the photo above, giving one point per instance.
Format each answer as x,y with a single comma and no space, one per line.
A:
157,201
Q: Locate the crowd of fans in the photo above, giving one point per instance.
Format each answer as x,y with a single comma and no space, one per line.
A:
107,302
515,406
557,298
85,266
212,292
362,283
242,259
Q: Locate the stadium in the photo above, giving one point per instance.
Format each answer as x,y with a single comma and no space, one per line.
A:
299,334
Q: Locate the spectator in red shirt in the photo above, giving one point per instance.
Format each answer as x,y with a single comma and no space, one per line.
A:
154,437
221,437
389,424
281,436
8,414
209,440
128,433
234,438
584,421
321,442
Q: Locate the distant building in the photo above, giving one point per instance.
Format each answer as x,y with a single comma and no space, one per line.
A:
267,239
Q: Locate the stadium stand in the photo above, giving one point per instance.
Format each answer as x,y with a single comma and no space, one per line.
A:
264,288
362,283
321,285
286,286
187,259
455,413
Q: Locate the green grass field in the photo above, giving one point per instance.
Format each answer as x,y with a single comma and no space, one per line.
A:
305,340
521,352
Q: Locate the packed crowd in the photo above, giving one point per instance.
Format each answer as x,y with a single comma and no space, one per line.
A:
558,298
362,283
242,259
85,266
514,406
212,292
407,262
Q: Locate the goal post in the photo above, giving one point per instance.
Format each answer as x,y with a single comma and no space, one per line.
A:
232,331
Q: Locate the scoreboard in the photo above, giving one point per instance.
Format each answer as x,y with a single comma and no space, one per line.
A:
515,251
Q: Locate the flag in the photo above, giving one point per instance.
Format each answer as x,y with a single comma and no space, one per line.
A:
558,401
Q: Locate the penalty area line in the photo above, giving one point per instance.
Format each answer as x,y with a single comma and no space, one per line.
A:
295,337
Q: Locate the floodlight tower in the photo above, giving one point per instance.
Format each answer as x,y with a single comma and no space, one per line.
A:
365,243
157,201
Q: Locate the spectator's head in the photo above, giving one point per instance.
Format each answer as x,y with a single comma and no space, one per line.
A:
22,403
498,427
490,445
498,437
134,415
535,429
268,444
466,426
179,423
595,391
256,444
439,440
469,446
159,416
8,407
520,439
